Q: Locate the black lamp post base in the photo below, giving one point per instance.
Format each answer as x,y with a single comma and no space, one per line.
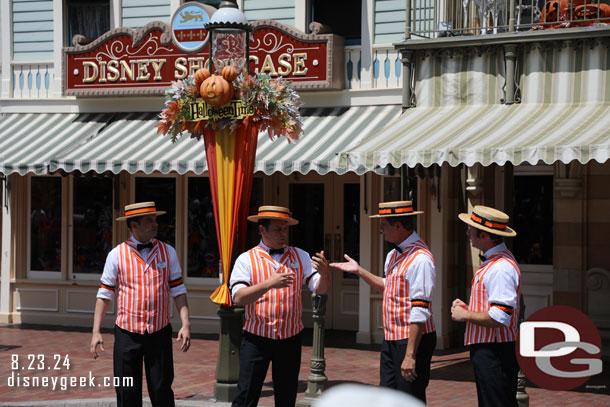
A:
225,392
227,367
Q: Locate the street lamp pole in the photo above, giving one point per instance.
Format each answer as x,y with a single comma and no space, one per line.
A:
229,33
317,379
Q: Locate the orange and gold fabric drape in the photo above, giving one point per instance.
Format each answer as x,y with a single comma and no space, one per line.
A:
230,156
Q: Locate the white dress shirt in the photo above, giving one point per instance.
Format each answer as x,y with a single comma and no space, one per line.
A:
242,270
421,276
111,269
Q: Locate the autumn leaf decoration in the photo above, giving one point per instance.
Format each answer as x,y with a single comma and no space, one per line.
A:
276,105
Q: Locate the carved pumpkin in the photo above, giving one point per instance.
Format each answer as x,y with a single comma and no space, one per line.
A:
591,11
555,10
229,73
201,75
216,90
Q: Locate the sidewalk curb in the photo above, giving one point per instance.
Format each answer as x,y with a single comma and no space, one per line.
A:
108,402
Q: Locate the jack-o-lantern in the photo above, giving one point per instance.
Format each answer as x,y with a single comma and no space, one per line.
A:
591,11
229,73
201,75
216,90
554,10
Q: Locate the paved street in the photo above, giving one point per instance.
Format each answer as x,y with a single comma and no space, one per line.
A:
452,381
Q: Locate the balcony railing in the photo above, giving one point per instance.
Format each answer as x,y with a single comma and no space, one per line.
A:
445,18
386,69
32,80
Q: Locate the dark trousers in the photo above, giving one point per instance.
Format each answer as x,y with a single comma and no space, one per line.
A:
155,349
495,372
255,354
392,356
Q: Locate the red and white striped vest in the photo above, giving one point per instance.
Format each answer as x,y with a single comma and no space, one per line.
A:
277,314
479,303
143,288
396,300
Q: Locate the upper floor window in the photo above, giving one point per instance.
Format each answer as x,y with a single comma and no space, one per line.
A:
88,18
342,16
213,3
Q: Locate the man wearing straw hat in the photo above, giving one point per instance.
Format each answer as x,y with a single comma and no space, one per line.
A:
144,273
408,288
268,281
491,316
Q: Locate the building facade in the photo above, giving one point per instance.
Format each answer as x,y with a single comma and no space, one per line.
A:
536,146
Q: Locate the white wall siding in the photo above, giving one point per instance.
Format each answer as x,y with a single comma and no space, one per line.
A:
137,13
278,10
32,30
389,21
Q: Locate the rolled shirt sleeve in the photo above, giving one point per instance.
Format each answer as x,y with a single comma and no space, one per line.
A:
421,276
501,283
241,275
176,281
310,275
109,275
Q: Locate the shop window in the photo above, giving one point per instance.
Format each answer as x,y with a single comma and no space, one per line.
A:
88,18
342,16
307,205
533,219
203,256
163,192
45,225
202,245
92,224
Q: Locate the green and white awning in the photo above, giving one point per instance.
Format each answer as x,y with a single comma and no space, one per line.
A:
131,143
486,134
29,141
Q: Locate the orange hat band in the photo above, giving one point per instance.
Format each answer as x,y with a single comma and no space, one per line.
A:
140,211
396,210
274,213
487,223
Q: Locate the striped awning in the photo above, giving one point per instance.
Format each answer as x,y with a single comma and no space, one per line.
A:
29,141
486,134
131,143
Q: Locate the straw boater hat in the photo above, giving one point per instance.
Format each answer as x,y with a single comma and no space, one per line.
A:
396,208
140,209
273,212
488,219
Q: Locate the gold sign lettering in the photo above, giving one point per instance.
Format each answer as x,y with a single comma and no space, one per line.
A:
113,70
287,65
157,64
284,61
91,71
143,73
268,67
299,64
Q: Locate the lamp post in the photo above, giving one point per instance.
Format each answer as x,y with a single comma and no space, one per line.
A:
229,37
229,45
317,379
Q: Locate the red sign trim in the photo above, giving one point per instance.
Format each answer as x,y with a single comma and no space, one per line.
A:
131,61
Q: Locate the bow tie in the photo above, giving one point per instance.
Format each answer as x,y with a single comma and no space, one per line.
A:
148,245
396,247
483,258
276,251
